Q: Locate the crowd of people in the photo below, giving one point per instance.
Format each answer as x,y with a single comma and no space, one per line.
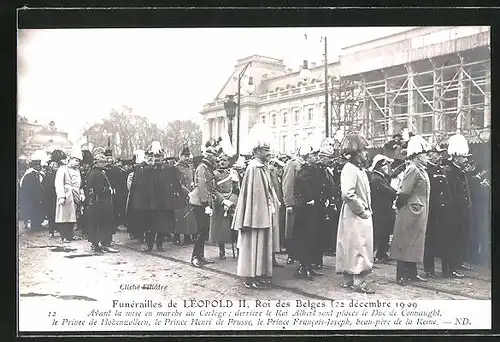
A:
414,203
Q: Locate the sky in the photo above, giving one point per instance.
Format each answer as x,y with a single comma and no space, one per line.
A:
76,76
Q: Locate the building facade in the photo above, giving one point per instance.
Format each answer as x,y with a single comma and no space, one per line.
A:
431,80
33,136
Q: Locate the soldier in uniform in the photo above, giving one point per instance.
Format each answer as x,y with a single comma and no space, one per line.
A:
101,224
459,211
383,195
185,222
225,197
49,190
135,226
329,216
86,166
30,193
70,195
310,204
201,201
291,170
118,178
435,240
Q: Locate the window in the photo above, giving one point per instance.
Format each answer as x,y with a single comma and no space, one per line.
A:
310,114
427,124
263,119
285,118
31,133
283,142
273,122
295,142
296,116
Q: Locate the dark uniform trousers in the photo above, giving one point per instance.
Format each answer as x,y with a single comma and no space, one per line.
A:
406,270
203,223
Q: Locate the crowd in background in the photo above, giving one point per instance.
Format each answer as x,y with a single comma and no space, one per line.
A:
412,203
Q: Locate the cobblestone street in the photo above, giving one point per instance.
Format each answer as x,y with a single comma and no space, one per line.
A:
50,272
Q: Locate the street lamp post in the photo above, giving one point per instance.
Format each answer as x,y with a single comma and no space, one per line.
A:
230,107
250,83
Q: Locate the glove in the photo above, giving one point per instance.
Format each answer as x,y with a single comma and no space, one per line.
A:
310,202
82,197
365,214
227,203
402,200
61,201
327,203
209,211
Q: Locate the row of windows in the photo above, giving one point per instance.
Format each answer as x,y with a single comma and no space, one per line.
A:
284,119
286,146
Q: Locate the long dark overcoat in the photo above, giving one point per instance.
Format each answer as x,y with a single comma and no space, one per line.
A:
101,222
31,196
383,196
309,218
460,213
436,241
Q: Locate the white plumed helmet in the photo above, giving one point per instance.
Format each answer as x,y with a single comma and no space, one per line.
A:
41,156
457,145
259,136
76,152
226,145
416,145
156,148
140,156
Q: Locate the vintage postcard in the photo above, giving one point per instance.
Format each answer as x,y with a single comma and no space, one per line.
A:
284,178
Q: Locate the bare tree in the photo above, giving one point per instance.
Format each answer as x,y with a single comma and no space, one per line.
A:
180,133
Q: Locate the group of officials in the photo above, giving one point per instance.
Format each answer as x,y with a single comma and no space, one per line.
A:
317,202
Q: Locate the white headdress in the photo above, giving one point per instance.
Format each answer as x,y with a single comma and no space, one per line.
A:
259,136
377,158
41,156
140,156
76,152
417,144
457,145
156,147
226,145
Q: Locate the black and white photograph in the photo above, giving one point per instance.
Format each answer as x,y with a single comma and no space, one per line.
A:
163,171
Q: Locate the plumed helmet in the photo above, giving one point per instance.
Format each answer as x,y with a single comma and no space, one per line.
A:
76,153
57,156
379,158
458,145
240,163
186,152
155,148
259,137
327,148
305,149
416,145
226,146
40,156
98,150
139,156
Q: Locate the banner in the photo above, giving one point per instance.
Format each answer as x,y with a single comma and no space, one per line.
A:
191,314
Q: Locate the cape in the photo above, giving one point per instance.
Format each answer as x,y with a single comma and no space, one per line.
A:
253,208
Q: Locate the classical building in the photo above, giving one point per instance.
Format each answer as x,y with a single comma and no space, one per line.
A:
33,136
432,80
